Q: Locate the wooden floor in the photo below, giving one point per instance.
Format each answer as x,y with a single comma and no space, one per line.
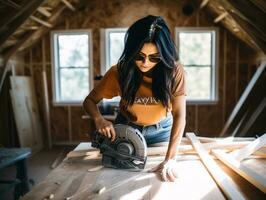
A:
84,178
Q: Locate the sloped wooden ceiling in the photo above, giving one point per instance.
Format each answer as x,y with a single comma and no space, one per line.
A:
244,18
23,22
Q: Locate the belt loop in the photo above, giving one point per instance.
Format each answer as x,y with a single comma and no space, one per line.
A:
158,126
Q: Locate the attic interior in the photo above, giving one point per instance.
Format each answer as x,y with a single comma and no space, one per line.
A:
44,43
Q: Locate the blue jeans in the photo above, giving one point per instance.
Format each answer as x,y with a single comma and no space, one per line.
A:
155,133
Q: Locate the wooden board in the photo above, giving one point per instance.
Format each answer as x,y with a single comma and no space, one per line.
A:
82,179
26,112
72,178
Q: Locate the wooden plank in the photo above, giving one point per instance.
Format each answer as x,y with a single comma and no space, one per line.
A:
243,102
77,180
226,184
44,12
253,117
46,97
14,21
259,180
220,17
26,112
69,5
32,37
90,152
249,149
44,23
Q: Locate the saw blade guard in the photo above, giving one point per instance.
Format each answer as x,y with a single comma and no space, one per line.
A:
128,133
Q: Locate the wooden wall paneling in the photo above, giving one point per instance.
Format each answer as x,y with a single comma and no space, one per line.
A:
224,75
230,88
26,112
197,118
46,107
190,119
231,47
69,111
247,97
237,72
243,78
59,125
30,64
80,128
209,120
252,119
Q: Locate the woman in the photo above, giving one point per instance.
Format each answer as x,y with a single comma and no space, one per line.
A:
151,84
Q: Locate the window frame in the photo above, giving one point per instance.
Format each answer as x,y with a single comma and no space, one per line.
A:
214,61
105,46
54,64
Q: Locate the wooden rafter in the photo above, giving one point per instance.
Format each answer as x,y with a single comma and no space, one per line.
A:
32,37
44,12
204,3
12,21
69,5
36,19
220,17
250,18
11,4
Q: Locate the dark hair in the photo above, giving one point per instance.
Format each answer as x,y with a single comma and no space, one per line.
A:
150,29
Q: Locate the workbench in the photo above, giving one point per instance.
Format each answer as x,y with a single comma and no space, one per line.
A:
85,178
17,157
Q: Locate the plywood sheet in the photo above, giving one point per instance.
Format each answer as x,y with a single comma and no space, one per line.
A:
26,112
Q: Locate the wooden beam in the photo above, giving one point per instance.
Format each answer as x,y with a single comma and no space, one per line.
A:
251,120
249,149
240,108
250,175
225,182
220,17
250,18
44,12
11,22
41,21
204,3
11,4
207,146
32,37
69,5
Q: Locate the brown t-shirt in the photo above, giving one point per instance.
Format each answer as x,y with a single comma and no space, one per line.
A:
146,110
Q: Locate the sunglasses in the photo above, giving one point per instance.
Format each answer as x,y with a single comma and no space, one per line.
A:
152,58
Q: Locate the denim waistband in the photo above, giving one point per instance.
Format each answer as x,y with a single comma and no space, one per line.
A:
123,120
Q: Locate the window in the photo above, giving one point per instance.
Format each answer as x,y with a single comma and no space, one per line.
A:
72,65
112,46
198,50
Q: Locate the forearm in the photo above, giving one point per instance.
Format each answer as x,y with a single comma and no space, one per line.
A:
176,137
91,108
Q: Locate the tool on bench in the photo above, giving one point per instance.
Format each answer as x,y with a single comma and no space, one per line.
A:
127,151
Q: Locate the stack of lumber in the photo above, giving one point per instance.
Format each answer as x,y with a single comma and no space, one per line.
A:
208,168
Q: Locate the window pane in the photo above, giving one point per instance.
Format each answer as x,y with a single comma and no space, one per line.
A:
195,48
74,84
116,46
198,82
73,50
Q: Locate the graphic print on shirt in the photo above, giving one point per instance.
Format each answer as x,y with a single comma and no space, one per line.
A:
146,101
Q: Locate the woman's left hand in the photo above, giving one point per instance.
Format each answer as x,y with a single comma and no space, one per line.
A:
167,169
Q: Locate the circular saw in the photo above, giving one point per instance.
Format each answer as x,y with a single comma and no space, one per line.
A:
127,151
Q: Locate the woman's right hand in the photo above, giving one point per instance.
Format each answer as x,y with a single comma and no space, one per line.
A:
105,127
